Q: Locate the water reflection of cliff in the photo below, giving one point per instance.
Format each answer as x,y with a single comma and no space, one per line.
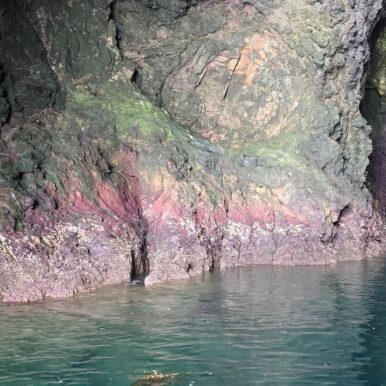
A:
371,360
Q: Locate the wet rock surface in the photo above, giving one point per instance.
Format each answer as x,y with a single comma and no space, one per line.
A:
169,138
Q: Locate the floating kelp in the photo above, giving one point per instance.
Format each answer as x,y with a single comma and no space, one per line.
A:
156,379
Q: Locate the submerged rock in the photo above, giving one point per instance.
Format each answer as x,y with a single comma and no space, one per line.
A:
169,138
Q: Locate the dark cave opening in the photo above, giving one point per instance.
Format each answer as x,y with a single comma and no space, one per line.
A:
373,108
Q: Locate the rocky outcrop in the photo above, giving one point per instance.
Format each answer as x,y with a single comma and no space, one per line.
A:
168,138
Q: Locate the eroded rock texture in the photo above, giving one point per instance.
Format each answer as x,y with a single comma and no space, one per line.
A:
169,138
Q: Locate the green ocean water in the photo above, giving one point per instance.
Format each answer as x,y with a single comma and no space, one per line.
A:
250,326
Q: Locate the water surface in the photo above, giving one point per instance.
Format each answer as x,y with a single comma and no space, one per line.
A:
251,326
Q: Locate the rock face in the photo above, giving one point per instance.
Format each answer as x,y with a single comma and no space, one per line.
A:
167,138
374,109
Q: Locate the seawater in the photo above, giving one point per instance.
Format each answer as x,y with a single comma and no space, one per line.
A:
252,326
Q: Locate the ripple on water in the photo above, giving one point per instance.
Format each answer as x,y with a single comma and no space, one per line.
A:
253,326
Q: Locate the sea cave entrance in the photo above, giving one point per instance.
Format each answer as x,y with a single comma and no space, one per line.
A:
373,108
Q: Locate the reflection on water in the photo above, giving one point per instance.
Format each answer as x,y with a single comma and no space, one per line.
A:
263,325
371,359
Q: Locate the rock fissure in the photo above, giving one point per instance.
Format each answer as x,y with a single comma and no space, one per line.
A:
113,28
231,75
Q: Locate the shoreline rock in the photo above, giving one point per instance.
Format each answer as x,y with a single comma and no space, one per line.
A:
158,141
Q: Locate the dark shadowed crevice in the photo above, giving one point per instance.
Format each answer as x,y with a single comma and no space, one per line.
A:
5,105
373,108
117,35
140,265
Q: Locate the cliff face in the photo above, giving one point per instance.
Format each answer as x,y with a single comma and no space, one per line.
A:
169,138
374,109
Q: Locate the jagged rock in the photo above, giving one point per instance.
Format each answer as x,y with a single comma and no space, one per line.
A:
169,138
